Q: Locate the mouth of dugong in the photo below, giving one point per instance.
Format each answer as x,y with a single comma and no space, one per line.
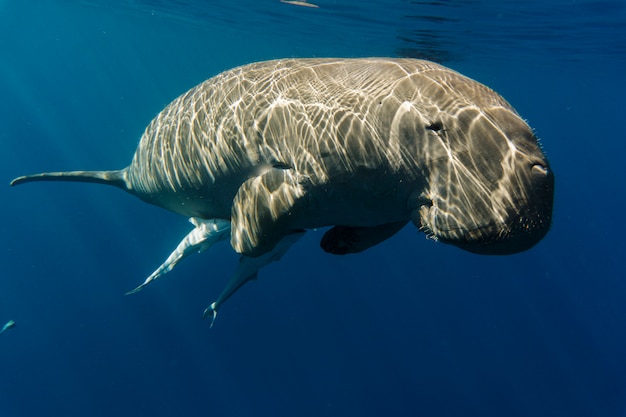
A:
494,229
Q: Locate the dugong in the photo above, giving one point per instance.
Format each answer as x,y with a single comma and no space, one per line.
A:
262,152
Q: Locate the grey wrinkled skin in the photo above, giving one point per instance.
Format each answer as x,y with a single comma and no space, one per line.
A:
367,145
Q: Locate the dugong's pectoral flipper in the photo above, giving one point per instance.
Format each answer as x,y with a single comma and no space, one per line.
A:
342,240
247,271
263,209
202,237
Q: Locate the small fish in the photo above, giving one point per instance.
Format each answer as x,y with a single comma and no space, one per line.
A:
10,324
300,3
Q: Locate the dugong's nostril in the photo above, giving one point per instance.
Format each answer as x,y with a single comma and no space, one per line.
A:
538,169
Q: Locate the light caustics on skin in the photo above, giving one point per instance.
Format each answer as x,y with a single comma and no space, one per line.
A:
273,148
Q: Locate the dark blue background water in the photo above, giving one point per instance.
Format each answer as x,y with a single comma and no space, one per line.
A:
410,327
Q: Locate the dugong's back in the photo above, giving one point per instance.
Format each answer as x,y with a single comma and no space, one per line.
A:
322,117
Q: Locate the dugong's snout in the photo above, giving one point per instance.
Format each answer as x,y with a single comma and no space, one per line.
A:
495,198
528,221
482,230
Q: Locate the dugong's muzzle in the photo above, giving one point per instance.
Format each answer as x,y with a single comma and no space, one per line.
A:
527,225
496,196
519,228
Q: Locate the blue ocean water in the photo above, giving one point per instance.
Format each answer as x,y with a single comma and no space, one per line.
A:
408,328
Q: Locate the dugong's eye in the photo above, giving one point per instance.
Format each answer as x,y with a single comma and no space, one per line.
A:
435,127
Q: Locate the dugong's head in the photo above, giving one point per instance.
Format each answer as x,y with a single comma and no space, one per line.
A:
489,187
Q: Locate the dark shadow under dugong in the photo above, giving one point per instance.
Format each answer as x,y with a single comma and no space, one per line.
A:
260,153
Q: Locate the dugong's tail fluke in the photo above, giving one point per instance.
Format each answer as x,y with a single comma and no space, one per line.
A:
116,178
